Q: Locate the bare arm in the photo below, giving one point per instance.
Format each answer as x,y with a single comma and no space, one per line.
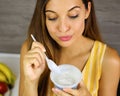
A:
24,88
110,73
31,67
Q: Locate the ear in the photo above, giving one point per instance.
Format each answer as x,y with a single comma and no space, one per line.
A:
88,10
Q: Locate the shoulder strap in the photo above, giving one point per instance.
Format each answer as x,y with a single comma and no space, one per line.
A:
93,68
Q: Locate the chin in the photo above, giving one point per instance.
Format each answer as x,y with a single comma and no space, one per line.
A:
65,44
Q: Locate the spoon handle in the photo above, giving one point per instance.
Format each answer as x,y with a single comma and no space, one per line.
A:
33,38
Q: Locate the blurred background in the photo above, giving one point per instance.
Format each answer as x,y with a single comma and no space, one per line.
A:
15,16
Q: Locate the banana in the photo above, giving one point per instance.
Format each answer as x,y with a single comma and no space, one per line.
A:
1,95
3,78
8,73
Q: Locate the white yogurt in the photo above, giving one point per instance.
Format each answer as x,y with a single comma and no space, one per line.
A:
69,78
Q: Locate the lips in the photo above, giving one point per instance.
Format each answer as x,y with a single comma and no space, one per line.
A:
65,38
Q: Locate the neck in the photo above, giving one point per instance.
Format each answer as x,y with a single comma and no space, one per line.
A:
79,47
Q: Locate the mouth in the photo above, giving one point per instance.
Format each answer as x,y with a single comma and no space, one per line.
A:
65,38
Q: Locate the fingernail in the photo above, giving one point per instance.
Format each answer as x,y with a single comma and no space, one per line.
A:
44,50
55,89
65,89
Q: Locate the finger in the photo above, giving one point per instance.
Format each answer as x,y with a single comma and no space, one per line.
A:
39,48
35,55
73,92
32,61
33,69
37,44
38,53
59,92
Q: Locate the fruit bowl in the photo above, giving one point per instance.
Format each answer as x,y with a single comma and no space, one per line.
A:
12,61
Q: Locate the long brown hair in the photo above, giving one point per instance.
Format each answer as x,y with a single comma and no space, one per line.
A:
39,30
91,27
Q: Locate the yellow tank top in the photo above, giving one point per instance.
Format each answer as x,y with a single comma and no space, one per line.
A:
92,70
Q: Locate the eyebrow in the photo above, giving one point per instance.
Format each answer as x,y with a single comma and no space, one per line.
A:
49,11
68,10
74,8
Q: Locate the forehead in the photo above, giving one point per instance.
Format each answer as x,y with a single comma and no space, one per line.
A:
63,4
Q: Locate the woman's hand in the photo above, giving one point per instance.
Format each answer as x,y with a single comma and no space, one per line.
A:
34,62
80,91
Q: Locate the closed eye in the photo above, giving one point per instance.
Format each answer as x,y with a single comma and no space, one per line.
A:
73,17
52,19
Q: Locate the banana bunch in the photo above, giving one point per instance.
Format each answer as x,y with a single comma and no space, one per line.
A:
6,75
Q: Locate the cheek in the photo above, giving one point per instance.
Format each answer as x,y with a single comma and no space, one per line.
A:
51,29
50,26
79,27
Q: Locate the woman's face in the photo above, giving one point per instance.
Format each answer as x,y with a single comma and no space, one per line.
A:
65,20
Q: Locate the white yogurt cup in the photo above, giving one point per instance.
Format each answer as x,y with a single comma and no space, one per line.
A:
69,77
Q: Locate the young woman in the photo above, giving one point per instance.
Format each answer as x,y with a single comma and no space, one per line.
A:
66,30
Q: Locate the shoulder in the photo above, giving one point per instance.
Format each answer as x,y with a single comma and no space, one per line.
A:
111,62
111,57
110,72
24,48
24,45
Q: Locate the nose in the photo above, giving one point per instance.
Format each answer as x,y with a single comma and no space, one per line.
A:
63,25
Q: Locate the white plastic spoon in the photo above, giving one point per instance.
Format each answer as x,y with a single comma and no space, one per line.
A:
51,64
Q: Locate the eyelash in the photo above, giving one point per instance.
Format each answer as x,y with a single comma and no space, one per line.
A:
52,19
72,17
